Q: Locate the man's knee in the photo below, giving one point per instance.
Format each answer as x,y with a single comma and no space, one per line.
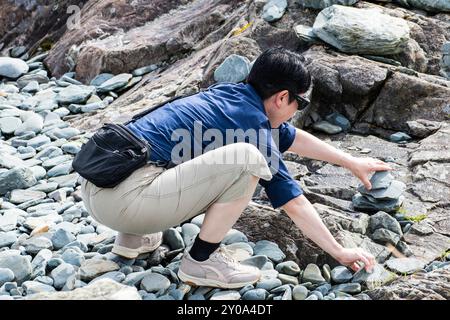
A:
247,156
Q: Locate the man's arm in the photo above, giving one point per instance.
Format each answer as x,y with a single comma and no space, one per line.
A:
306,145
306,218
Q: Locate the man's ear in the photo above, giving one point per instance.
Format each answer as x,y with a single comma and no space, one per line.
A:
282,97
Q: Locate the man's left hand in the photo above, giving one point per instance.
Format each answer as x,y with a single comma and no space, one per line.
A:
363,167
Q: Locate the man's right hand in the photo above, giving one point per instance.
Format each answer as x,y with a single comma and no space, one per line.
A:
351,256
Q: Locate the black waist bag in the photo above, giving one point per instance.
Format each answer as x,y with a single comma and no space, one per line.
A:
111,155
114,152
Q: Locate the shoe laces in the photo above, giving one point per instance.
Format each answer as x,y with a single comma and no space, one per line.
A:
226,255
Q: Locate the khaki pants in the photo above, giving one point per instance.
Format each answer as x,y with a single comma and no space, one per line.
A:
153,199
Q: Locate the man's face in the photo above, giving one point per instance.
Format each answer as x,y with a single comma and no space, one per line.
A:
280,109
299,102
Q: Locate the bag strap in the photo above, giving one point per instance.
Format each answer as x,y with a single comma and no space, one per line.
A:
147,111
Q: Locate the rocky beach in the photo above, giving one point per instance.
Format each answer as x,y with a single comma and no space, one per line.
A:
381,89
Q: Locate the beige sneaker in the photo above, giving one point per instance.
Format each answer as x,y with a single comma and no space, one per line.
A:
219,270
149,243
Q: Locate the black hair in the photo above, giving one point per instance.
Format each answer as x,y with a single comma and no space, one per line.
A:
278,69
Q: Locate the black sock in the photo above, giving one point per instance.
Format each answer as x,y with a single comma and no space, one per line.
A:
201,249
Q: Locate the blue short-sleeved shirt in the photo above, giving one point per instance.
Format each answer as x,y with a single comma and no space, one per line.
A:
224,106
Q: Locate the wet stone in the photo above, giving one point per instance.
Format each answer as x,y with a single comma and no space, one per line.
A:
312,274
269,249
255,294
341,274
289,268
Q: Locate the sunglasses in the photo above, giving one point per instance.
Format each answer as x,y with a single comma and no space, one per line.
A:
302,102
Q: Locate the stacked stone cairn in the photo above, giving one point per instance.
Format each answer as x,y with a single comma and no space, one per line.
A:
385,195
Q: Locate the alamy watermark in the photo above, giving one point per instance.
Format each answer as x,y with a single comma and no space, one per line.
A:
264,146
73,21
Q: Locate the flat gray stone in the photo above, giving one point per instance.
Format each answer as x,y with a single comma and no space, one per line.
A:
18,264
32,287
91,107
393,192
105,289
20,196
234,236
226,295
155,282
113,275
144,70
341,274
352,288
7,239
268,284
33,123
8,221
287,279
399,137
36,244
101,78
27,78
325,126
379,180
91,269
74,94
62,169
378,277
321,4
115,82
405,265
9,124
360,202
12,67
65,133
255,294
269,249
31,87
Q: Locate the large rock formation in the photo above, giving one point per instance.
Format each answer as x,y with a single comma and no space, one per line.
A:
420,286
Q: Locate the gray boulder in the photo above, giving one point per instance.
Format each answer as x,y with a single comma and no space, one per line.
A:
234,68
361,31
